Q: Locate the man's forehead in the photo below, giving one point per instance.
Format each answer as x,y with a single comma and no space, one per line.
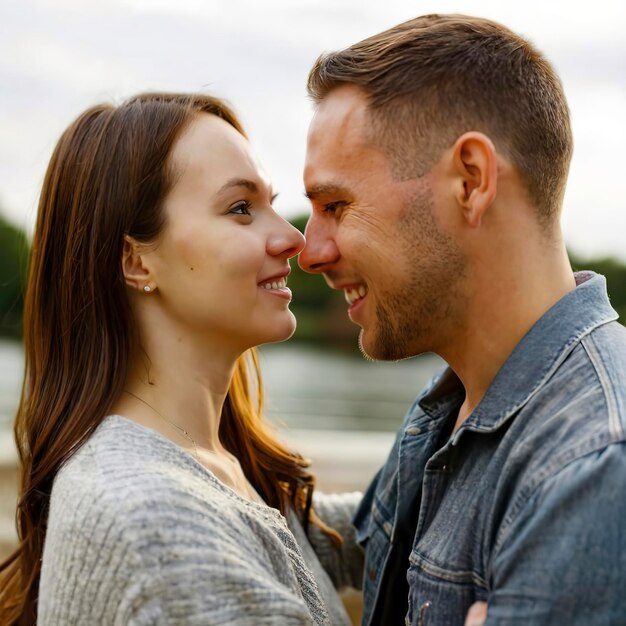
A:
341,115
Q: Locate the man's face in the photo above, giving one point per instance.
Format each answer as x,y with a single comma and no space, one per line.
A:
377,238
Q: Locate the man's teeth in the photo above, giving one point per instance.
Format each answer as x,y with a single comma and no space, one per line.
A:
275,284
355,294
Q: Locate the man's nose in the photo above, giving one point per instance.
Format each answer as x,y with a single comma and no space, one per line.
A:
320,251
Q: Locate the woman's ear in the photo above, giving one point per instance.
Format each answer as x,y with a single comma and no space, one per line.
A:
136,274
476,167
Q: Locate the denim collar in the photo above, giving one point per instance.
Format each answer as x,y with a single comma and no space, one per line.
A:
533,360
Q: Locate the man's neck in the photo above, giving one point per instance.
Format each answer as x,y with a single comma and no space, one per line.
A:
508,301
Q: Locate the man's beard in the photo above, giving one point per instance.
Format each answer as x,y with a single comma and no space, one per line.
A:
408,318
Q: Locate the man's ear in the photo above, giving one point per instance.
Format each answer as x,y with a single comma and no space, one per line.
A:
136,274
476,168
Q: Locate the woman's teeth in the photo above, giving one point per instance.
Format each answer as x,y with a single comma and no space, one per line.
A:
275,284
354,294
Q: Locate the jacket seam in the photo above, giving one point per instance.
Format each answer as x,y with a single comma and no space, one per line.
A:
560,464
615,426
518,405
467,576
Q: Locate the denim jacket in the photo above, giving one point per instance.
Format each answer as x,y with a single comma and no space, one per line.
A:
524,507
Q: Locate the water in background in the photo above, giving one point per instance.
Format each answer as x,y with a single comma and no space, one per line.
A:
340,411
305,388
315,389
11,373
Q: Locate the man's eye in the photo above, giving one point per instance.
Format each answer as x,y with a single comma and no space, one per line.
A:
332,207
241,208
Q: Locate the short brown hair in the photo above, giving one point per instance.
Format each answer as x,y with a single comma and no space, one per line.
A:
433,78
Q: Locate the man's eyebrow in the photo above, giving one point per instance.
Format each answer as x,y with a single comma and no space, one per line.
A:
328,189
238,182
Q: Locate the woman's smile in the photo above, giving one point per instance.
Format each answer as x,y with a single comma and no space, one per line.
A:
276,286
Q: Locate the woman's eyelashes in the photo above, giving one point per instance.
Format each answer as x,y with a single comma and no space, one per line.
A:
244,207
240,208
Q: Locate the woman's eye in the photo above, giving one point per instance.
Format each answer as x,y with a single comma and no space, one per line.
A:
241,208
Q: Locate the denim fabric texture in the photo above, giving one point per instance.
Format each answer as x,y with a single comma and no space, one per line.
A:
525,505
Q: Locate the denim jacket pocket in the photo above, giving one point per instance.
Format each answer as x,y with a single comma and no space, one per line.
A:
375,536
440,597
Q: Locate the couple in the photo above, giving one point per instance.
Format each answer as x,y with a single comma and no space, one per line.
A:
153,493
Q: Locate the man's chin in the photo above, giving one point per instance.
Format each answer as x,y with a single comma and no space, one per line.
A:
376,348
371,348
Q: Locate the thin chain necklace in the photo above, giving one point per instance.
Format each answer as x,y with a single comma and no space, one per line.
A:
176,426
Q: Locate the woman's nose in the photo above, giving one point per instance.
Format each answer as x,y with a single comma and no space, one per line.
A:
287,240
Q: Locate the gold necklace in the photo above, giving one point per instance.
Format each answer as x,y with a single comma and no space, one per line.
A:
176,426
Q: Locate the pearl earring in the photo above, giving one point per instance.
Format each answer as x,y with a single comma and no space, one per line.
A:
147,288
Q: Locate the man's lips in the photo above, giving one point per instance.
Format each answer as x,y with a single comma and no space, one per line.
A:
354,293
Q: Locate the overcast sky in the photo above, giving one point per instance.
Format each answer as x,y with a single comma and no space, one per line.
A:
59,57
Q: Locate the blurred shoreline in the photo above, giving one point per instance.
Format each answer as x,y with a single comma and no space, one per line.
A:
338,411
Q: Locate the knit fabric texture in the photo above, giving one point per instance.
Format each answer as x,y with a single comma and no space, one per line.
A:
140,533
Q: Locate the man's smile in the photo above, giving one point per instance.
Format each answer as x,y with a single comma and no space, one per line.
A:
353,293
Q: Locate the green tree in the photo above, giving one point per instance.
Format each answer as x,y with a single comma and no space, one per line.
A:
14,253
615,273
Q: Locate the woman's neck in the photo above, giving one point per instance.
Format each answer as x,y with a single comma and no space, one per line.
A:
184,404
177,385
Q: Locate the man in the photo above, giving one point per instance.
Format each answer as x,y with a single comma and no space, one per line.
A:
436,166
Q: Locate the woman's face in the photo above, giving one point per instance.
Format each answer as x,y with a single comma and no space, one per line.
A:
221,262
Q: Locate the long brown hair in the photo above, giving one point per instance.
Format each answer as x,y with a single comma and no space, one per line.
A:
107,178
435,77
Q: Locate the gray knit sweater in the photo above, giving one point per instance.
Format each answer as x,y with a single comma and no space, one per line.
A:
140,533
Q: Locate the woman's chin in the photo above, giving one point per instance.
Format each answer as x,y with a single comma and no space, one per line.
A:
280,331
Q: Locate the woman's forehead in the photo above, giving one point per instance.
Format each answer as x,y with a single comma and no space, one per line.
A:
212,149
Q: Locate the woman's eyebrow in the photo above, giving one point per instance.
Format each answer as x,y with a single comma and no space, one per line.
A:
238,182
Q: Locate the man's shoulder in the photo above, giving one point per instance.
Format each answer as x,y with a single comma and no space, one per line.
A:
576,415
605,347
585,398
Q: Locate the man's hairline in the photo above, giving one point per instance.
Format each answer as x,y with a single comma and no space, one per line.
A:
371,136
373,140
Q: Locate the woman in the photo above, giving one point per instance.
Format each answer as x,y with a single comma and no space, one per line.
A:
150,487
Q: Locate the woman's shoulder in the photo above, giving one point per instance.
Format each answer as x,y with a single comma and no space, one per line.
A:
131,478
117,454
127,474
137,525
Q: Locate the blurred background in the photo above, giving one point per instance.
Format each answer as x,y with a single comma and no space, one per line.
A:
57,58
